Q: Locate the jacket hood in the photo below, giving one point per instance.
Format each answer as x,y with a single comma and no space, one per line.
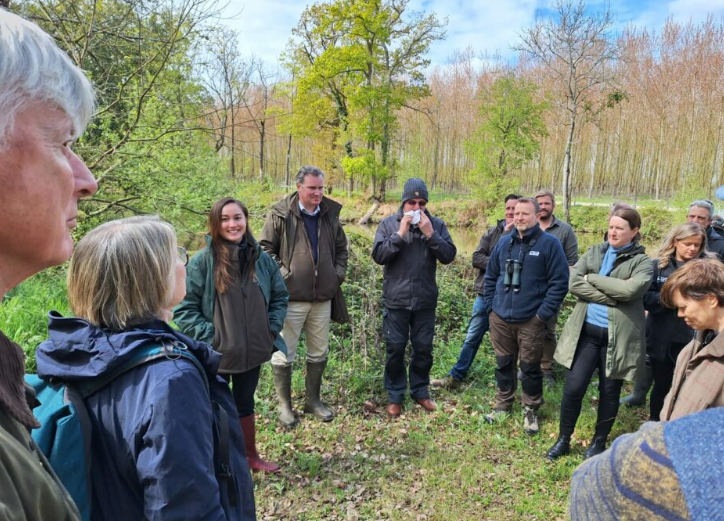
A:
78,350
291,203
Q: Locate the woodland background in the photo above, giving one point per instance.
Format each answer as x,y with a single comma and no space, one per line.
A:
184,116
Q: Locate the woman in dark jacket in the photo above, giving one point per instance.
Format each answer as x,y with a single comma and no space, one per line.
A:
605,329
155,452
236,300
666,333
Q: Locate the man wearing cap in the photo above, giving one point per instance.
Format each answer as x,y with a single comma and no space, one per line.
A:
409,244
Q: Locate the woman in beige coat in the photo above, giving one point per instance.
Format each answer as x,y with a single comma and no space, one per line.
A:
697,291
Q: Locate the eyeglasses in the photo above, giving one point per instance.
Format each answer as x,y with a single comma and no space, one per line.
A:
183,255
421,204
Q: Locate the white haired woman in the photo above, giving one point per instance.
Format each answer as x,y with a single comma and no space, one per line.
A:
153,452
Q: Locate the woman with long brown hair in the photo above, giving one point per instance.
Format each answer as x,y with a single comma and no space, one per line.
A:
236,301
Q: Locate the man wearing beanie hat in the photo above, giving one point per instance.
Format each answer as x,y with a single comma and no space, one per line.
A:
409,244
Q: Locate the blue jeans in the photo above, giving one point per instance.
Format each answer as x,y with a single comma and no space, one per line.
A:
478,325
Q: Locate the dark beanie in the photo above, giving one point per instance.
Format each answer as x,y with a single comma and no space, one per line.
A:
414,187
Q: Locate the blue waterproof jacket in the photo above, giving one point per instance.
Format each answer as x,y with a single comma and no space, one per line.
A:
543,277
153,427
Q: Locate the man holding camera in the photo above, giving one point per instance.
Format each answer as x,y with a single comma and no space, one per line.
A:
525,283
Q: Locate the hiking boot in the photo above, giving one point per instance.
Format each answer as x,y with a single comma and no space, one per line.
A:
283,385
561,447
597,446
446,383
530,421
313,403
497,415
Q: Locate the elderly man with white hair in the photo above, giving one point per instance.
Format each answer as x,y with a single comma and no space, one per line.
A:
45,104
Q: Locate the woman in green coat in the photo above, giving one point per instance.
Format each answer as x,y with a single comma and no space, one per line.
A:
236,301
606,330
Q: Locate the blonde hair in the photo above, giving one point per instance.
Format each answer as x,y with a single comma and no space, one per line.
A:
123,272
681,232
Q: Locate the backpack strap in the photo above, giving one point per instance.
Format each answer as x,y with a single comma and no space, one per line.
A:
224,472
142,356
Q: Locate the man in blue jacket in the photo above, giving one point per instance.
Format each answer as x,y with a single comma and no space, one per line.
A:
526,281
409,244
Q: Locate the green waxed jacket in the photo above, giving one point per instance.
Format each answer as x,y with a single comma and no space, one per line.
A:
195,315
622,291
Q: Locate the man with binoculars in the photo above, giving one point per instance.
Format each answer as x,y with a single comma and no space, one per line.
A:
525,283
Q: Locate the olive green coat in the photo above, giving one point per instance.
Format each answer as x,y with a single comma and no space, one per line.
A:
622,291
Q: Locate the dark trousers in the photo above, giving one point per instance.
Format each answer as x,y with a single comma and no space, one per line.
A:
663,371
399,326
243,385
549,345
511,340
590,355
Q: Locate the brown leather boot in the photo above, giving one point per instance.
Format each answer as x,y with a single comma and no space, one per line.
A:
252,456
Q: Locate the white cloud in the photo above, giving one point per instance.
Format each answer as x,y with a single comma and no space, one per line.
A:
487,26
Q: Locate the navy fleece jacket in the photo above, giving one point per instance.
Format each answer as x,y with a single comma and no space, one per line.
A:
543,278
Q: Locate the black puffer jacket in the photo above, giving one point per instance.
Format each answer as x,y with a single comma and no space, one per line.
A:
663,326
411,262
715,242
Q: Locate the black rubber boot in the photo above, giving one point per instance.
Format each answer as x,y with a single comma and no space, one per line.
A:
597,446
561,447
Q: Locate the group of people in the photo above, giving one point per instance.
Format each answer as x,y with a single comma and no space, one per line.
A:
162,443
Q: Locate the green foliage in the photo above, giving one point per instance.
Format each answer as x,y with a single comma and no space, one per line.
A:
355,63
24,310
512,125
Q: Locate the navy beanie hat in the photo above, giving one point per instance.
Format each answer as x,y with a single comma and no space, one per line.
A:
414,187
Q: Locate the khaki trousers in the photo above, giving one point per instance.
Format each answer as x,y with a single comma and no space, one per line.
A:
313,318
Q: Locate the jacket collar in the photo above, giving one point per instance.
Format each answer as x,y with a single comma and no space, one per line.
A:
529,234
714,349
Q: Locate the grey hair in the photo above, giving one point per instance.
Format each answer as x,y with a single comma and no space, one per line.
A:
704,203
618,205
123,272
34,69
307,170
530,200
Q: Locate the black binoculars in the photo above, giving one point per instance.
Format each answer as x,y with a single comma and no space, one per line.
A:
512,275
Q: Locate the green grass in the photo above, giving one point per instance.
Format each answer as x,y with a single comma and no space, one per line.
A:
449,465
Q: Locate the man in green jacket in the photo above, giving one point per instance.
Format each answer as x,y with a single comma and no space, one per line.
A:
45,103
302,233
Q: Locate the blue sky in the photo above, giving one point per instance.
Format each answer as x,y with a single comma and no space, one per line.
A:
486,26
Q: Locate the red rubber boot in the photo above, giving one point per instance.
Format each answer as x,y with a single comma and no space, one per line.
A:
252,456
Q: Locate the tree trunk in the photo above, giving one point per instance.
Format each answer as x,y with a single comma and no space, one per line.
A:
566,186
262,139
366,217
288,174
592,166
